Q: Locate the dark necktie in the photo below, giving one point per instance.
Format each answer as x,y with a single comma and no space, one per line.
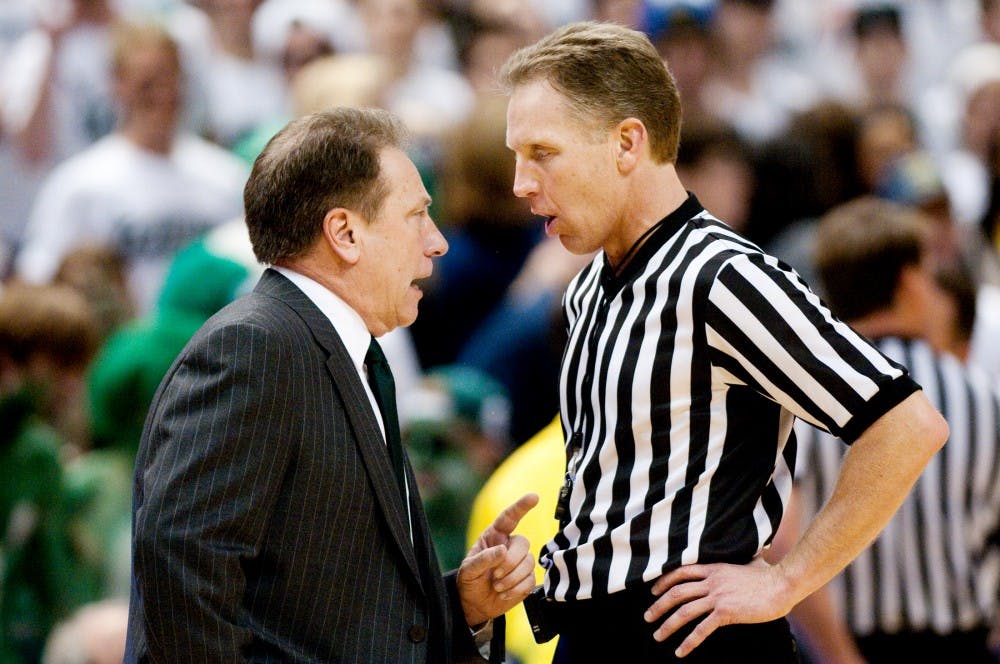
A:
384,387
382,384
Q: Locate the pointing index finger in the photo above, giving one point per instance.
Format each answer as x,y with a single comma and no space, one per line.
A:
512,515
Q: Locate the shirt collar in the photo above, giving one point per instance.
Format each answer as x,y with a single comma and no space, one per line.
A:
665,229
346,321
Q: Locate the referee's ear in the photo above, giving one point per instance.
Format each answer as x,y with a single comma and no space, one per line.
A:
632,144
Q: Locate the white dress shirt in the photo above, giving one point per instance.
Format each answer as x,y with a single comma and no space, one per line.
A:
354,333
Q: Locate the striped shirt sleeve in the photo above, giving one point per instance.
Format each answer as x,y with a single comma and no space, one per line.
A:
772,333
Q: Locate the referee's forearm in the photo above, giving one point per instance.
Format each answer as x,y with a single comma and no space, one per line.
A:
878,472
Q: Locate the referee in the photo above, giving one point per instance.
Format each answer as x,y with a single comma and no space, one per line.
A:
690,354
926,589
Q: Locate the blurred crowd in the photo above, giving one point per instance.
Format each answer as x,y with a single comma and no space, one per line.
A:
128,127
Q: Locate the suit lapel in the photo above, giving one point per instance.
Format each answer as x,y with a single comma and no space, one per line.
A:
347,382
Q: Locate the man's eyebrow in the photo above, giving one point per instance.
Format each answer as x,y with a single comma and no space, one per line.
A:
530,145
423,204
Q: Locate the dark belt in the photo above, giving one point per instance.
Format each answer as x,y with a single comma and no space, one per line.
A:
548,617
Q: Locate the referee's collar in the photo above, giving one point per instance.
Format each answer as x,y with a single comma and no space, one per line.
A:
664,230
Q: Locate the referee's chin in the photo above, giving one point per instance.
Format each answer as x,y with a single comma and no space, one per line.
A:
574,246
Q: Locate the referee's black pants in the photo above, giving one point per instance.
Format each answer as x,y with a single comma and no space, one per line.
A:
612,629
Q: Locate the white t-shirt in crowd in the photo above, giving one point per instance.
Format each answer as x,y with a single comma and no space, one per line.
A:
143,204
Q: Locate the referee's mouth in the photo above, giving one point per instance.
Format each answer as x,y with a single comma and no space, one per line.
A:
549,221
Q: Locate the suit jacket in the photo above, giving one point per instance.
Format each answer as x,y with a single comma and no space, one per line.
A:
267,521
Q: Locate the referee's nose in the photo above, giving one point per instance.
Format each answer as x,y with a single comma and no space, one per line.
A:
525,184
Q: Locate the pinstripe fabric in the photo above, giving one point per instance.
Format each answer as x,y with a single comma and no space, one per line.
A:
934,566
267,521
679,385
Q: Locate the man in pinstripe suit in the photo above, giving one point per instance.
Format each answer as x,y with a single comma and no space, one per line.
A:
926,588
275,517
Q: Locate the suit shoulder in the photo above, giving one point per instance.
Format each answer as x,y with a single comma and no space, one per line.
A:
262,312
247,326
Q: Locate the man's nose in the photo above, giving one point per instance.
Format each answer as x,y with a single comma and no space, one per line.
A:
524,183
435,243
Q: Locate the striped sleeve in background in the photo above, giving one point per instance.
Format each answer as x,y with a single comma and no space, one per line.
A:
934,565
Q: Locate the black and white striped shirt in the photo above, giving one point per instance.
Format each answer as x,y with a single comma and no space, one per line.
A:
680,383
933,566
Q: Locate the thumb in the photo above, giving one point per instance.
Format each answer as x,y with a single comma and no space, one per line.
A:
481,563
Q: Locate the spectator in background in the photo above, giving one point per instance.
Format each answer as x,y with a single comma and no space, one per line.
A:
98,505
959,311
145,190
53,377
530,18
303,44
55,100
988,261
15,20
490,233
431,99
879,72
817,153
716,165
984,350
57,83
344,79
521,342
680,32
912,179
47,336
989,20
936,31
751,87
487,45
881,53
940,105
301,40
98,272
926,588
832,154
885,133
975,74
338,20
232,87
966,259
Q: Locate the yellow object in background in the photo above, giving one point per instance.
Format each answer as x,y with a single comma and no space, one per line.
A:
538,465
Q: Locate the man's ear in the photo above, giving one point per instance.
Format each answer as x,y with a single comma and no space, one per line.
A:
341,233
632,139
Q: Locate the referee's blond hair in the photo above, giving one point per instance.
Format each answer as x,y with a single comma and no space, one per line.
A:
607,73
